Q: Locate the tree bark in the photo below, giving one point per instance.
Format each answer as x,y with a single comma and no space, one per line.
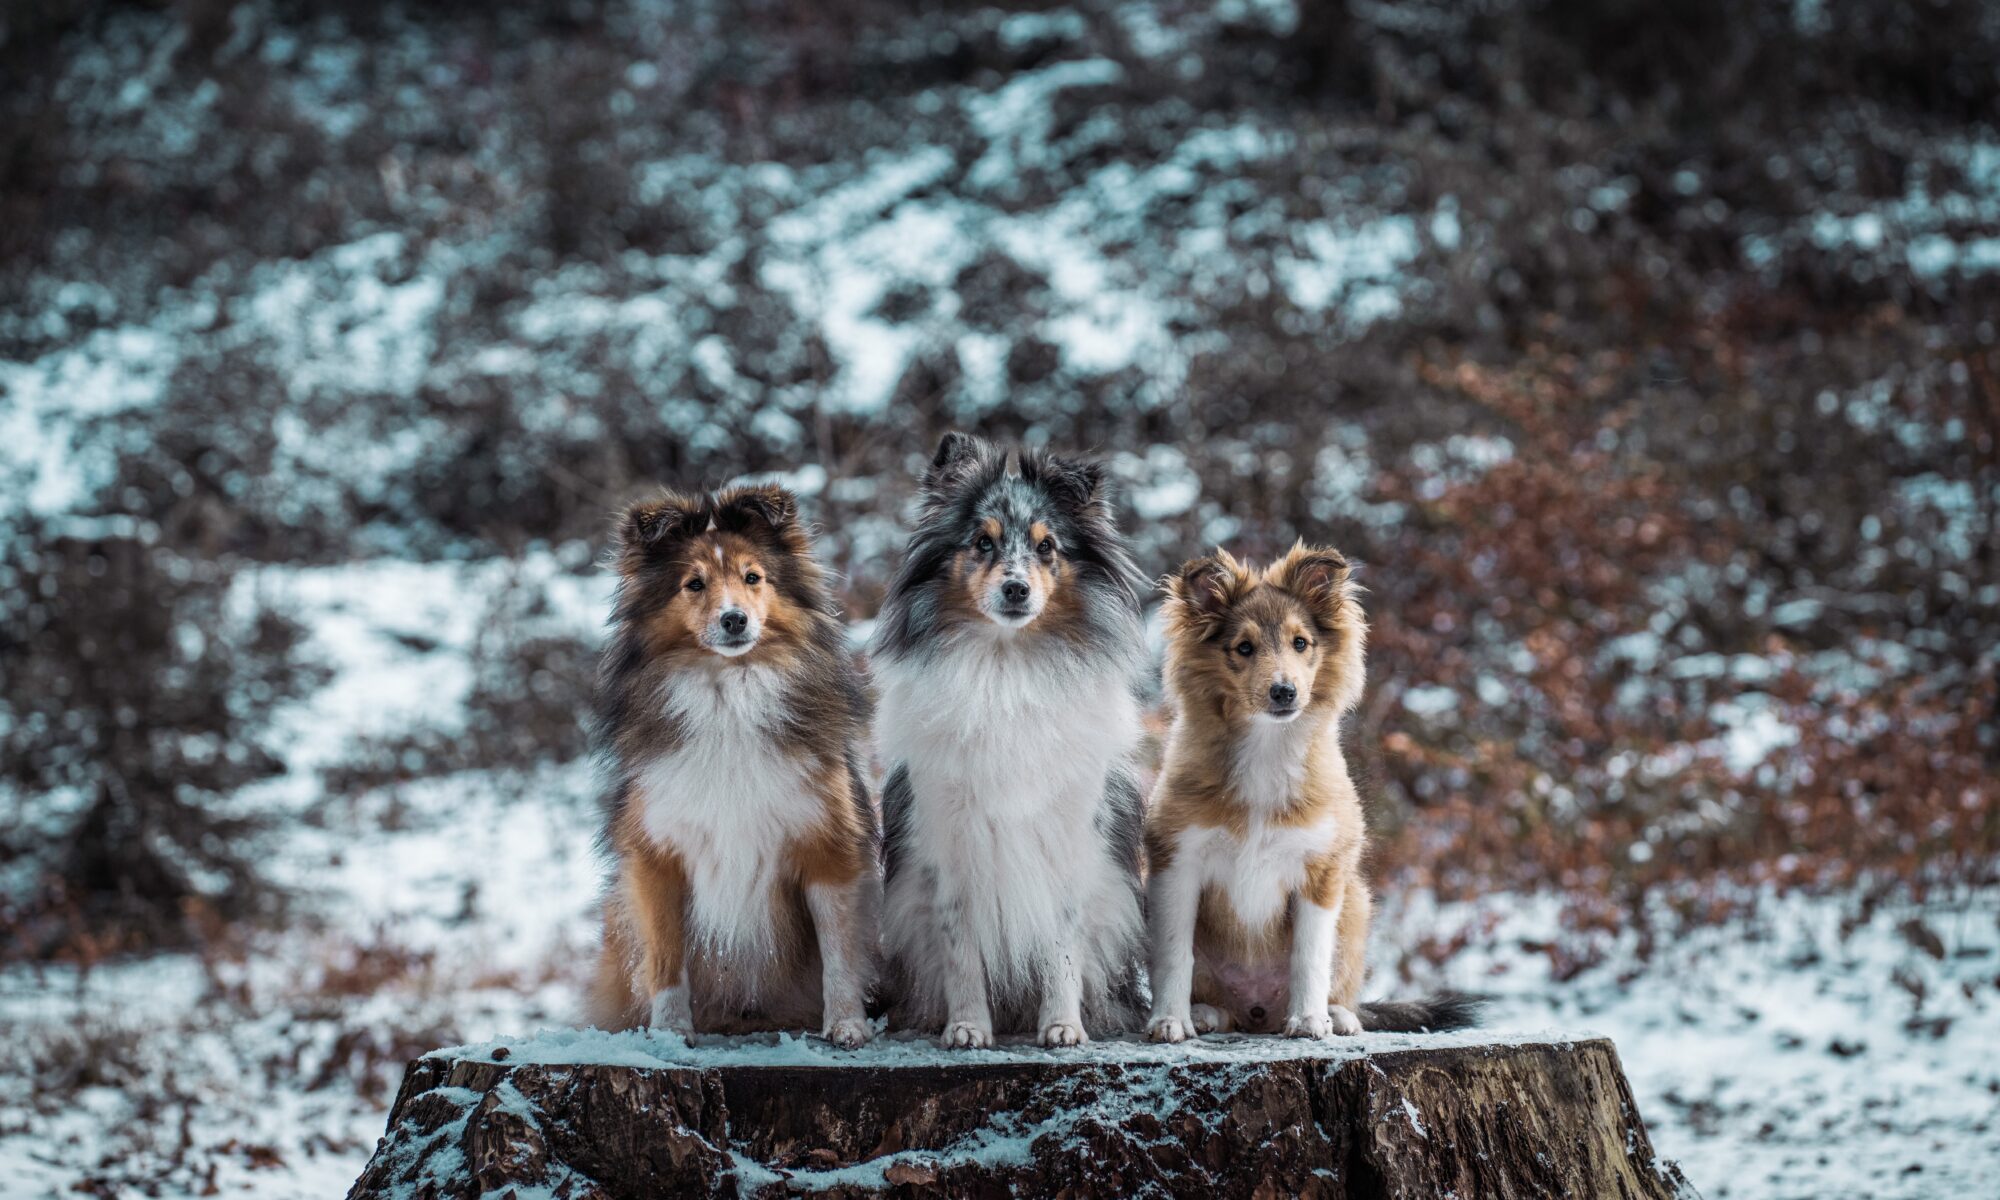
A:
1494,1120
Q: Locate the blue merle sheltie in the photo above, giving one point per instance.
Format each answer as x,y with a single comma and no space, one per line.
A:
1006,654
731,717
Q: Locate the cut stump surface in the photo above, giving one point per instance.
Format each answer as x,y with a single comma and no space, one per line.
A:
594,1115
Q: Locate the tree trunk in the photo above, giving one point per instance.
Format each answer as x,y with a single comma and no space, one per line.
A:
1473,1120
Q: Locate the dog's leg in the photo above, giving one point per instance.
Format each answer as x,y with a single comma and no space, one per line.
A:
1062,998
968,1020
1173,899
1350,964
1307,1014
655,893
843,954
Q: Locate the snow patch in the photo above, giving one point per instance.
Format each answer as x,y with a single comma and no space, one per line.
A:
1358,268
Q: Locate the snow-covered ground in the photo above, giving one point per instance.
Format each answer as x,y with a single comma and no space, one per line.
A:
1803,1052
1798,1053
1778,1058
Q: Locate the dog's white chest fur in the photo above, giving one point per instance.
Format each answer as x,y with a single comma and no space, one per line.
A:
1268,766
727,801
1007,755
1259,871
1002,730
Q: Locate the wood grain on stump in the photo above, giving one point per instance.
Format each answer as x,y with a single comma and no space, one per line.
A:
1347,1119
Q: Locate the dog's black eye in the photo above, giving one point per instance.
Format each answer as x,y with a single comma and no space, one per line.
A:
984,544
1246,648
1299,644
695,584
1048,546
753,578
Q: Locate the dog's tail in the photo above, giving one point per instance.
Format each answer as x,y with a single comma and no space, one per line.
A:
1432,1014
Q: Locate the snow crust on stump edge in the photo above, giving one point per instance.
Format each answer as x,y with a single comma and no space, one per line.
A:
582,1114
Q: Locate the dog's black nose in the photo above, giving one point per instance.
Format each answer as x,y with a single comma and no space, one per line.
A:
1014,591
734,622
1283,694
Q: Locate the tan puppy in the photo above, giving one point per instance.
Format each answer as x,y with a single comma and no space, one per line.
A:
1257,905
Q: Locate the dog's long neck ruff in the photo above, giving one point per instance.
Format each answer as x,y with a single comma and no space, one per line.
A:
725,700
1008,715
1268,760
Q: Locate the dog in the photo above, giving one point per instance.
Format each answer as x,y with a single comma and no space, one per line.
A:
1256,903
1005,656
746,893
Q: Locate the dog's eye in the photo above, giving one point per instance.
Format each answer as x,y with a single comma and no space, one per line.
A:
753,578
1299,644
1246,648
984,544
1047,547
695,584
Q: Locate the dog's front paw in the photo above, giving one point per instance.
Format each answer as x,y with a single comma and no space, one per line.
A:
1064,1033
966,1035
1170,1029
670,1012
848,1032
1309,1025
1345,1023
1209,1019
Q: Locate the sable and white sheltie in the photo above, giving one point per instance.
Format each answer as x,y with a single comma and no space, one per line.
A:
1256,902
746,893
1005,656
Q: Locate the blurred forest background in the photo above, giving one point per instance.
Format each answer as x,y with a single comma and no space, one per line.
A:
1645,354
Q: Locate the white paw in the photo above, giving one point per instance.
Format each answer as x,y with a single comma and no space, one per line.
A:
1170,1029
1309,1025
1064,1033
671,1011
1345,1023
848,1032
966,1035
1209,1019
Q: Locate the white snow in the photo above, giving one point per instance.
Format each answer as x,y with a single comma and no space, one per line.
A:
1781,1054
648,1048
1430,700
1343,477
1358,268
1416,1119
1160,484
346,319
1755,731
1016,117
47,464
1929,224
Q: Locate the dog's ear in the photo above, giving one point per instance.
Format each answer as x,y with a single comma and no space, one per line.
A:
958,456
1202,591
655,524
768,503
1074,483
1315,574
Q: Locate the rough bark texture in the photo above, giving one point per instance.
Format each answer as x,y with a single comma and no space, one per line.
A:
1507,1120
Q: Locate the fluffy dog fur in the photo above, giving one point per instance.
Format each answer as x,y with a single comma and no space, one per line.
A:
1256,901
1006,654
745,894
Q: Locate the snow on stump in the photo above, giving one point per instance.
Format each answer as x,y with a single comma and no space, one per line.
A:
592,1115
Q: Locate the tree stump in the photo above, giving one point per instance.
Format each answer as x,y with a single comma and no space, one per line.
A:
594,1115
